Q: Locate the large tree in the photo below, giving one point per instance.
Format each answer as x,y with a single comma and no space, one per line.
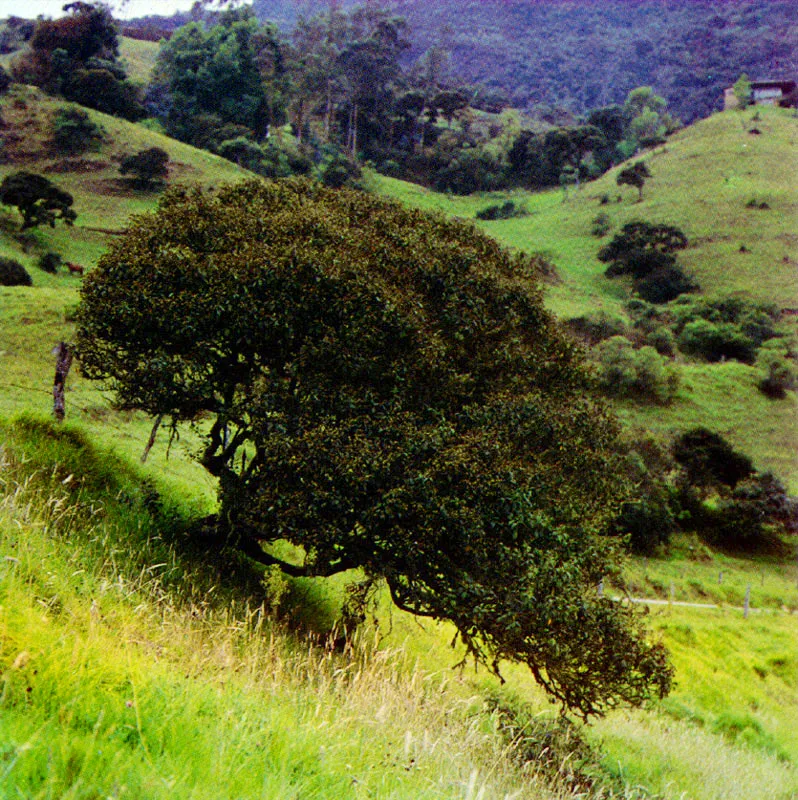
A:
385,390
76,56
229,74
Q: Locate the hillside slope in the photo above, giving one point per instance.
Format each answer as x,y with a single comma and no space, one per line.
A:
704,181
131,670
580,55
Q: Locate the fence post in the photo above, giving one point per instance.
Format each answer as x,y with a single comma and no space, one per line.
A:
747,604
63,362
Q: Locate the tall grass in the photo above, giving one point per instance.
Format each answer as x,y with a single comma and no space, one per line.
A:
128,670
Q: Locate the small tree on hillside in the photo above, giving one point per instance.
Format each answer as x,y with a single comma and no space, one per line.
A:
743,91
384,390
646,252
73,132
147,167
37,200
634,175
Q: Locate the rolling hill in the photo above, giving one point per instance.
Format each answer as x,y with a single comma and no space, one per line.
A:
705,180
580,55
132,668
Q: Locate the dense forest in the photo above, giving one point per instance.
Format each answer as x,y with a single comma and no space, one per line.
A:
482,99
579,56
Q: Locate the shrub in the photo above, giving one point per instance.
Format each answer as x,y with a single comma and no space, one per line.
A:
640,374
12,273
73,132
716,341
730,327
50,262
601,225
781,373
754,516
148,167
709,461
340,171
661,338
663,284
646,252
506,210
596,327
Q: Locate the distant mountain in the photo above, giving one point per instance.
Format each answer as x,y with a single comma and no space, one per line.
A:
582,54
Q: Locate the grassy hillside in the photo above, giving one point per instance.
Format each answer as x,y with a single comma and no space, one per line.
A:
702,181
131,668
138,58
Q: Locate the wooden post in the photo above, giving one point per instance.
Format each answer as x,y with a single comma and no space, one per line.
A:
720,577
601,588
747,604
672,592
63,362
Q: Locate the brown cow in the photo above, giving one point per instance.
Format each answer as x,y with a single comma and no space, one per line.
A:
74,269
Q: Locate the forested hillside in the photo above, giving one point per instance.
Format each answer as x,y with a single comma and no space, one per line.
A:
579,56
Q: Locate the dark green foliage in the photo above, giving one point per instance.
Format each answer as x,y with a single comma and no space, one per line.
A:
50,262
539,160
385,390
100,88
601,225
753,515
37,200
650,517
729,328
233,72
646,252
663,284
638,238
339,171
147,167
506,210
781,373
5,80
596,327
634,175
73,130
75,56
12,273
716,341
709,461
641,374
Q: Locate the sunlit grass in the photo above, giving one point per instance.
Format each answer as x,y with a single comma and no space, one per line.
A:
121,678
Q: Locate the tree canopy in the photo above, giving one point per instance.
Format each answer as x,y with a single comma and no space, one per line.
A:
37,199
385,390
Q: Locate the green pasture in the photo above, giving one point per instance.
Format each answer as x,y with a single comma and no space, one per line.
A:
151,676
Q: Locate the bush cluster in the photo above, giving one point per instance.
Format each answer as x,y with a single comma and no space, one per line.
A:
642,374
646,253
701,483
50,262
73,132
728,328
12,273
717,330
506,210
